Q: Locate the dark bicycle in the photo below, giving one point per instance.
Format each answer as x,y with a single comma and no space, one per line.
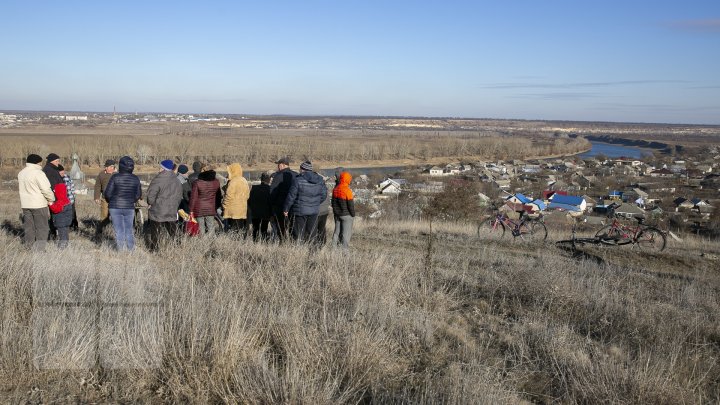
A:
525,227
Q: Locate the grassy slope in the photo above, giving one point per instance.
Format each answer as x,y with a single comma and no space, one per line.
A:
403,317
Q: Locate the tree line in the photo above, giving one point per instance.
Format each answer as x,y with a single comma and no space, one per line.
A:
262,146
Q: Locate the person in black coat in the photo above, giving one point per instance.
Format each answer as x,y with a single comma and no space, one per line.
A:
259,207
304,198
53,174
122,192
282,181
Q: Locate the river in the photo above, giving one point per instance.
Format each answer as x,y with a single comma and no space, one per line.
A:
615,151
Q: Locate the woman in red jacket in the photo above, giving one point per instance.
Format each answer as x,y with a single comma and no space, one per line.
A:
205,199
343,210
62,214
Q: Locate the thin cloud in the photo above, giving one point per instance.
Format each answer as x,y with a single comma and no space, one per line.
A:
711,25
655,107
578,85
558,96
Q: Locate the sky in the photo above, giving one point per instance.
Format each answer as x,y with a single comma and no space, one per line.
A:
619,61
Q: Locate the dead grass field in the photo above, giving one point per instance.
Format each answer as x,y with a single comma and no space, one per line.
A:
407,315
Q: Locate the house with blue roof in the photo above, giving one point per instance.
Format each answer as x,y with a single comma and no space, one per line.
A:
567,203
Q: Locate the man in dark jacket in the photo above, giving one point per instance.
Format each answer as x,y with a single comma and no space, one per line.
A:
101,182
51,170
182,176
163,196
122,192
196,167
53,175
259,207
306,194
282,180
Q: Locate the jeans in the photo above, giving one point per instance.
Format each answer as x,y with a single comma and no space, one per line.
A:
304,227
36,224
207,224
122,220
343,230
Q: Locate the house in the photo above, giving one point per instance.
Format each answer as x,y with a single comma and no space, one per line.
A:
502,184
629,211
615,195
567,203
391,186
436,171
661,173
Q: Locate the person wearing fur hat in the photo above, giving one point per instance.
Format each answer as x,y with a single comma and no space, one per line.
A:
122,192
163,197
236,197
35,197
306,194
205,199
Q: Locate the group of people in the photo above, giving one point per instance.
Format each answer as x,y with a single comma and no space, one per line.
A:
285,205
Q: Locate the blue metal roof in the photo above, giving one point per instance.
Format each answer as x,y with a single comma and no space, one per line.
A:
566,199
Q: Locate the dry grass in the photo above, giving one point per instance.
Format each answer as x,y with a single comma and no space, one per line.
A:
405,316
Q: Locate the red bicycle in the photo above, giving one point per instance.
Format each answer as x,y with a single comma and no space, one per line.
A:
646,237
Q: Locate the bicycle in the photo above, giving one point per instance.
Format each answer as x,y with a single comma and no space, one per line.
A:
647,237
531,229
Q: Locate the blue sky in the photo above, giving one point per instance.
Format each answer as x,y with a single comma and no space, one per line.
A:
629,61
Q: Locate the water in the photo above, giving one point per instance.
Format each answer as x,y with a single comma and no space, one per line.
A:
615,151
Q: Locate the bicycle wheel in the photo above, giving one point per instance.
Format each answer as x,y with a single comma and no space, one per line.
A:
651,240
611,235
491,228
532,231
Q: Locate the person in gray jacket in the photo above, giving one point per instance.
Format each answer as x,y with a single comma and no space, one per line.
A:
163,196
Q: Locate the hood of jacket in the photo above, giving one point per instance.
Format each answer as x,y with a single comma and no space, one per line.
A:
234,171
345,178
126,165
207,175
312,177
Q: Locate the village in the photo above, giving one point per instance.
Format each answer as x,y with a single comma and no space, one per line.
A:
679,193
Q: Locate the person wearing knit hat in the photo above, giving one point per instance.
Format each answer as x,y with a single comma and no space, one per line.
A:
163,197
101,182
183,169
167,164
35,197
63,210
303,201
34,159
50,169
52,161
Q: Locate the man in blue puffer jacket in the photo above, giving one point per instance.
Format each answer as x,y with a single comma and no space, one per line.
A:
306,194
122,192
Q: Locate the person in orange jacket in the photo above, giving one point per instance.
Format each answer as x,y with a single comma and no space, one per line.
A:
343,210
